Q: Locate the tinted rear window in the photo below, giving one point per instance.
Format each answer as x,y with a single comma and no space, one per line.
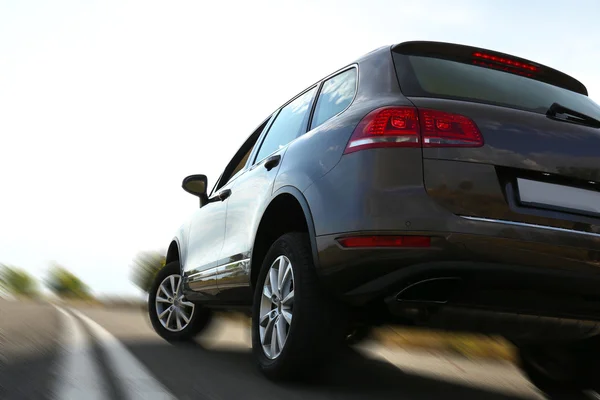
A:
433,77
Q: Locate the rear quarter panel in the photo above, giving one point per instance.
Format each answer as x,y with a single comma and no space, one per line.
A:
314,154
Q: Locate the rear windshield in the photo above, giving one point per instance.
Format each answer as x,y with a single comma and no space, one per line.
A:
433,77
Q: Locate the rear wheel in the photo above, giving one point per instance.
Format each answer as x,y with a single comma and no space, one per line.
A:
294,326
562,370
173,317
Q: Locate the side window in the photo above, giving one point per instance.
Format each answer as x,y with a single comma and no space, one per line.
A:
241,164
238,162
336,94
289,124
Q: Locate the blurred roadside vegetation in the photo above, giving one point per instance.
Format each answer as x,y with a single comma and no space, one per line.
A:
17,282
468,345
66,285
145,266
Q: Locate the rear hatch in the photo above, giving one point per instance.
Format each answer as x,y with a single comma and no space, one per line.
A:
539,160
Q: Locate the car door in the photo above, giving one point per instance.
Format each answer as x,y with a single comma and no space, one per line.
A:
205,240
207,229
251,191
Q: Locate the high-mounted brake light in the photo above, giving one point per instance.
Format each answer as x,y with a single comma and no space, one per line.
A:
409,127
505,61
385,241
500,67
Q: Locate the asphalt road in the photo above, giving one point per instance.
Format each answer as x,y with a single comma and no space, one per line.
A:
90,353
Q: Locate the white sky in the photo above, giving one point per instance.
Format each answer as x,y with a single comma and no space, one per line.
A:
105,106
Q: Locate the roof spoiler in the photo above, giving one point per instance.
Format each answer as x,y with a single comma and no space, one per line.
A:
491,59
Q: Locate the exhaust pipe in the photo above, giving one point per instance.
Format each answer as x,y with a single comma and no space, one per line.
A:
418,300
435,290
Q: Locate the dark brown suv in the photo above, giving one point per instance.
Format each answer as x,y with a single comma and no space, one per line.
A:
425,184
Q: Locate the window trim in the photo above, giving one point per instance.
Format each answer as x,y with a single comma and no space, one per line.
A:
322,83
218,186
275,115
250,164
261,139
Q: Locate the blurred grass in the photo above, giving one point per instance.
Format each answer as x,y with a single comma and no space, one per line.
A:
467,345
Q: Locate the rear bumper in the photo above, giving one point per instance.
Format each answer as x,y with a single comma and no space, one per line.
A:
522,261
504,266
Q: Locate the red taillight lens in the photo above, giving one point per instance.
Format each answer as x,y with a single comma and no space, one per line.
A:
407,127
385,241
442,129
386,127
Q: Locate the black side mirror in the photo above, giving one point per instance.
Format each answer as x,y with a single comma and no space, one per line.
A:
196,185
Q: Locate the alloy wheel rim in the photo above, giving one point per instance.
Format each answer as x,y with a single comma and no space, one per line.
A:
276,307
173,310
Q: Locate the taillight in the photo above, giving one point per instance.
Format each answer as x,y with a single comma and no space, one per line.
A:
386,127
442,129
409,127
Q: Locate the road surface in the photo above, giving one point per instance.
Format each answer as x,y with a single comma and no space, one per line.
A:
50,352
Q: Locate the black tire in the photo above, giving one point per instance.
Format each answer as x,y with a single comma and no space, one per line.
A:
199,320
562,371
316,330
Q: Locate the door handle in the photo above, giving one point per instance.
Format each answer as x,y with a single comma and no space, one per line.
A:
224,194
272,162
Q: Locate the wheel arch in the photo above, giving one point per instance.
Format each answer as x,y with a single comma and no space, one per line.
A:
174,252
286,198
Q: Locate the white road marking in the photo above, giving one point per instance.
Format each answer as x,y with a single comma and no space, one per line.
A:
593,395
79,377
134,380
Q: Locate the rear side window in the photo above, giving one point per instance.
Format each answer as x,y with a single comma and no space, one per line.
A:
289,124
422,76
335,96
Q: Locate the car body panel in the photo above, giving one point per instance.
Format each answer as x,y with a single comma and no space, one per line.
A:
205,240
314,154
352,272
523,140
250,194
369,190
475,189
463,198
180,240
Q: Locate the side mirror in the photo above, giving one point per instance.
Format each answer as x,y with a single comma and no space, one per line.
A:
196,185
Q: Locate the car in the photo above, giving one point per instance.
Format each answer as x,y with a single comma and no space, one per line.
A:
426,184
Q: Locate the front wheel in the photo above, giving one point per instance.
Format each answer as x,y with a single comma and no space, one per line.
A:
294,326
173,317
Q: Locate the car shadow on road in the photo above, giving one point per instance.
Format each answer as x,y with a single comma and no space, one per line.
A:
28,377
193,371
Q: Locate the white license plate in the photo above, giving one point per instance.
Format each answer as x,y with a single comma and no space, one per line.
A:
558,196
